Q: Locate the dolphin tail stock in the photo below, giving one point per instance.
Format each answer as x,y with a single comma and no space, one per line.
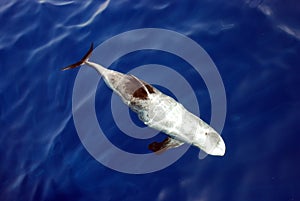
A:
82,61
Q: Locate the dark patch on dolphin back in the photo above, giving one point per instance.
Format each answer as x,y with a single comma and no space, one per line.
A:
141,93
150,88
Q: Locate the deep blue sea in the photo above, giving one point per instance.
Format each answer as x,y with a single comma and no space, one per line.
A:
255,45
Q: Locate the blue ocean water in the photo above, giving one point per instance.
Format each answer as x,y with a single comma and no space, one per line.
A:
255,45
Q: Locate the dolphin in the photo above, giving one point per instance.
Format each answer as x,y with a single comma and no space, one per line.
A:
158,111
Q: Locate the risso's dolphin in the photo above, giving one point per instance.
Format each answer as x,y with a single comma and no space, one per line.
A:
159,111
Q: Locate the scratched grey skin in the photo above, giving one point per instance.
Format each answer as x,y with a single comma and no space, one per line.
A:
159,111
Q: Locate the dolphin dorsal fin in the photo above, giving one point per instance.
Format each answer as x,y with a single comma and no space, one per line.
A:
142,84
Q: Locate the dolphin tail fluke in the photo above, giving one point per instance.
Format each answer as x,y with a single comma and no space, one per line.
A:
82,61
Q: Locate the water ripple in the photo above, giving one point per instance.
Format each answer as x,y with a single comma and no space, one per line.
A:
284,16
56,3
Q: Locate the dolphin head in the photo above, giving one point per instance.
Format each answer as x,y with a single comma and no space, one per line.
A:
210,142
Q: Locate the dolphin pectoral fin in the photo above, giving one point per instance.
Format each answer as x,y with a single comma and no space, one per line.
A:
82,61
168,143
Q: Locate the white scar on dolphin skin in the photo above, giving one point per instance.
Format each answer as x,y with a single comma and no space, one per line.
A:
159,111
